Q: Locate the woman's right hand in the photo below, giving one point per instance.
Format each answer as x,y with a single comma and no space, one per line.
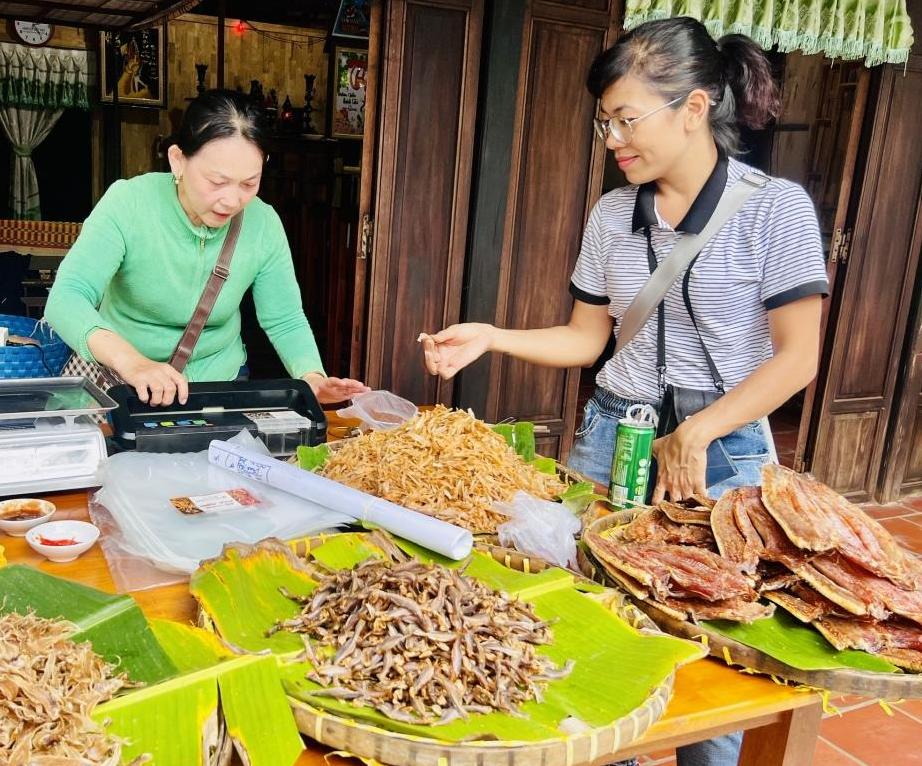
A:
448,352
157,383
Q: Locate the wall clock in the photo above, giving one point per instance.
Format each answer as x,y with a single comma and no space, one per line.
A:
32,32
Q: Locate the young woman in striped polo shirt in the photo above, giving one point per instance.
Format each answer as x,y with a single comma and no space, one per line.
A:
671,100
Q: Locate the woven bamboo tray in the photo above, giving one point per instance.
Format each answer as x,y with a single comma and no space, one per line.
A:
367,741
864,683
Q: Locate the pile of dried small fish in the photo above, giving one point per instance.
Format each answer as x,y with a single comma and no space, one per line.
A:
48,687
445,463
421,643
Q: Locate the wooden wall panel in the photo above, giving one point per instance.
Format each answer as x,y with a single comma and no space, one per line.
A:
428,110
551,191
279,62
870,323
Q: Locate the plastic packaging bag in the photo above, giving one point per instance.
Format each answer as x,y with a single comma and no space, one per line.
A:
138,487
379,410
539,528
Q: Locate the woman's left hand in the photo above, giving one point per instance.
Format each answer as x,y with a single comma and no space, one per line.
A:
681,465
332,390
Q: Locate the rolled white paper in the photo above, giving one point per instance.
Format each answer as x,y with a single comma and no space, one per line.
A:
431,533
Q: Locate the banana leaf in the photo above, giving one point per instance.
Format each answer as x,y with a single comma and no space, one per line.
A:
177,722
792,642
115,625
312,458
616,667
190,648
579,496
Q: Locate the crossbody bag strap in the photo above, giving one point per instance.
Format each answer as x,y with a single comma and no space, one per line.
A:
660,320
219,275
709,360
684,252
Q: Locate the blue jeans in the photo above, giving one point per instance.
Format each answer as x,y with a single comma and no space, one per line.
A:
591,456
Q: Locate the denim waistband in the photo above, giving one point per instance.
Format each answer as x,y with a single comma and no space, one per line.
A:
616,405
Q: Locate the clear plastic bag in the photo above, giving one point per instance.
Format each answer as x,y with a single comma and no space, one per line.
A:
539,528
379,410
138,487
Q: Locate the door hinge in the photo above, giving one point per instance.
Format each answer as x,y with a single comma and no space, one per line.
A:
841,241
368,233
846,248
836,244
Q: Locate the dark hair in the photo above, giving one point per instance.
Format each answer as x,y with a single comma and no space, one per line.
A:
677,56
219,114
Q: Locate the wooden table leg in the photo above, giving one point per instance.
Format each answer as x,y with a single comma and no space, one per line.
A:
790,742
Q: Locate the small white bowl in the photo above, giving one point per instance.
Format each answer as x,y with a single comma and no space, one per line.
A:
23,505
84,533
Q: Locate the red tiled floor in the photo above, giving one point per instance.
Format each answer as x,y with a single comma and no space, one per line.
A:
874,738
913,502
912,708
906,531
889,511
827,755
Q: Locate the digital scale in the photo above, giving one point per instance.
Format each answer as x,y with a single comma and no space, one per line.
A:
48,438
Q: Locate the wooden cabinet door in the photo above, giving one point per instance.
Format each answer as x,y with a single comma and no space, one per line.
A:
555,178
427,108
868,323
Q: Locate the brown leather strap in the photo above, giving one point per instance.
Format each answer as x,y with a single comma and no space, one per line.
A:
219,275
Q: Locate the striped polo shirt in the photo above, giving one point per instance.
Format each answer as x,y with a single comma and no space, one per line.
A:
767,255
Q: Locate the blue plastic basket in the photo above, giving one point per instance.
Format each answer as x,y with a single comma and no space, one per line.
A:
30,361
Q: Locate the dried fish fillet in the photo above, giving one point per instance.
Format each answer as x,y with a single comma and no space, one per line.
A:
445,463
421,643
48,687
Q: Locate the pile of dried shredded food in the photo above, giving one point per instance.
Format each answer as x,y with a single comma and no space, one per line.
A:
445,463
48,687
421,643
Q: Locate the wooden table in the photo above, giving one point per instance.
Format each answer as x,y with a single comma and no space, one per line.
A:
710,698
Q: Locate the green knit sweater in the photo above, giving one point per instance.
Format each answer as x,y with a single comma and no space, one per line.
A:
139,267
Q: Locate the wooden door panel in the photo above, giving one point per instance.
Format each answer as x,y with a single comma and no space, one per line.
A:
867,339
913,474
849,440
428,108
554,180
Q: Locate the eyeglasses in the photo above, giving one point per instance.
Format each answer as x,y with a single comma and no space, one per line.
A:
621,128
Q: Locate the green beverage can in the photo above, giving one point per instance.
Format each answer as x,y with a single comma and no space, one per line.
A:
631,462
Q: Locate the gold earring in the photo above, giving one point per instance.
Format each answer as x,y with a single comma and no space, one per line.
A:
177,179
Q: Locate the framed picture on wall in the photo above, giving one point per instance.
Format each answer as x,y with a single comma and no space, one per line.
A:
353,19
350,67
134,63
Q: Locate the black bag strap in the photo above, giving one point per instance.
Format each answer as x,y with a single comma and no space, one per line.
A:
661,324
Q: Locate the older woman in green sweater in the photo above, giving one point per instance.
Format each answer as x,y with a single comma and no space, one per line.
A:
130,283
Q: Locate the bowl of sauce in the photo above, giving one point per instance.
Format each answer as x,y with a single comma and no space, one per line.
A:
62,541
18,516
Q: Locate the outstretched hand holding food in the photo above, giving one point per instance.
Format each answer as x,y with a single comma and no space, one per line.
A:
448,352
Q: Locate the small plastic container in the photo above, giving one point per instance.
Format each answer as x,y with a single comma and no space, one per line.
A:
380,410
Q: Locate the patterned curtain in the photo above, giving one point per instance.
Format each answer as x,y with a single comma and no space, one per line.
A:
878,31
36,85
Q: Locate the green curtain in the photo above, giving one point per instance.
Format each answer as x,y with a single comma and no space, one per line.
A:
43,78
879,31
36,85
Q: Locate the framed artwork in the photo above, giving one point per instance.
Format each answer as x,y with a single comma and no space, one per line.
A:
350,67
135,64
353,19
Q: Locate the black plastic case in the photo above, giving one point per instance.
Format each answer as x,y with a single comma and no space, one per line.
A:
216,411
